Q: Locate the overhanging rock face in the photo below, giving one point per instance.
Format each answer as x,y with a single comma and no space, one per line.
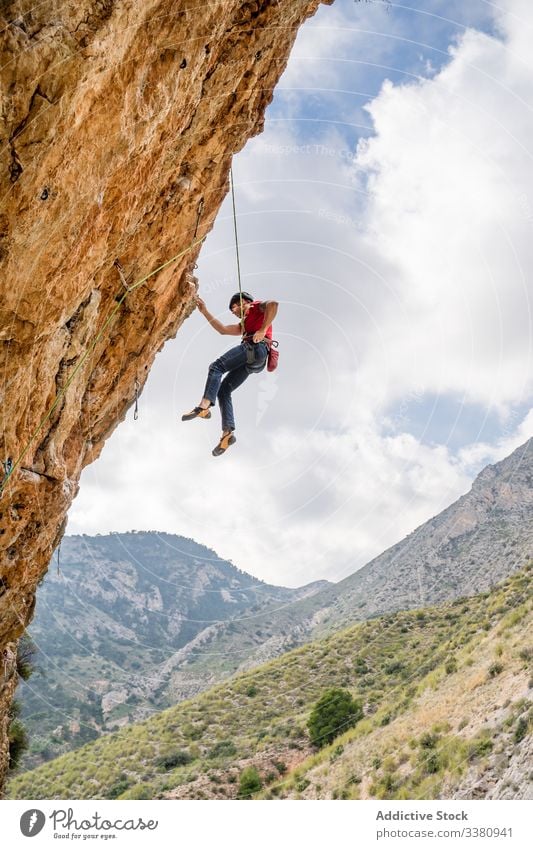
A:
117,126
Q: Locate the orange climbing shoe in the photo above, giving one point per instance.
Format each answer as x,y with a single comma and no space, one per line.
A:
197,413
228,438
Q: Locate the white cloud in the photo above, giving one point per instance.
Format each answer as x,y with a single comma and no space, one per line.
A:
449,172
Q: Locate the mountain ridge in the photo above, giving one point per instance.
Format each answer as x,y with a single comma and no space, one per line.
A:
151,663
483,537
447,714
119,614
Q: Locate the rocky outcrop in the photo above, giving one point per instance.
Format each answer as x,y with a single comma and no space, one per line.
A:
507,775
117,126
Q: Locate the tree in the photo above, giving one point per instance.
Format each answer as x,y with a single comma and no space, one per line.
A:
333,714
250,782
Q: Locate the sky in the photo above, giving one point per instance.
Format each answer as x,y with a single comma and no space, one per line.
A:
388,208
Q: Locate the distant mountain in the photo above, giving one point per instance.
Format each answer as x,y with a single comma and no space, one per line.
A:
446,696
115,617
158,618
483,537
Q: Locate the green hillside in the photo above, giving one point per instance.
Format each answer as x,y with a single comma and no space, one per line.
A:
479,540
116,623
135,623
399,665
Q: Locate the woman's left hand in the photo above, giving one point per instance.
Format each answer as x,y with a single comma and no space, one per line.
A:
258,336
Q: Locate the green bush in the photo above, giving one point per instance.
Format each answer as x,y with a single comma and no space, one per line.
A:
428,741
174,759
432,763
223,749
333,714
480,747
395,666
119,787
138,791
18,742
521,729
360,666
249,783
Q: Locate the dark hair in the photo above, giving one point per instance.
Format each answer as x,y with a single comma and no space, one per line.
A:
236,298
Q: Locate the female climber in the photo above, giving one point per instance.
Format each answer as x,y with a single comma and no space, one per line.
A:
255,324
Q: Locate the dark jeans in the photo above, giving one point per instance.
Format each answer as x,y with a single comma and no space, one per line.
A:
236,362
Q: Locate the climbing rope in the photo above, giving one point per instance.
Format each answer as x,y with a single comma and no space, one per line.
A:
236,244
10,467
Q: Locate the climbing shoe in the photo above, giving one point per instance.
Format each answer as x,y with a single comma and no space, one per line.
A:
226,440
197,413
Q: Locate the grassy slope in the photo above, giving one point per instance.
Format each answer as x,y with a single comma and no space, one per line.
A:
403,667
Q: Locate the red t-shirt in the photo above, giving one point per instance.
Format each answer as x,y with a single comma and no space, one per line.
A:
254,320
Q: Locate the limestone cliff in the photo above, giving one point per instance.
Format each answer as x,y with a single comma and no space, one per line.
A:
117,126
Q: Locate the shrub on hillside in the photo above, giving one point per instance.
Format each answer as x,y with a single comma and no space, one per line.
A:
250,783
119,787
138,791
174,759
521,729
223,749
451,666
333,714
479,747
428,740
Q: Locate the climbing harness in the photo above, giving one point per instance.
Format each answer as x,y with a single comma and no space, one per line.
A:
256,359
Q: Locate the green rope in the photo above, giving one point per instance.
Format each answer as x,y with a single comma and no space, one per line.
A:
86,356
236,244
